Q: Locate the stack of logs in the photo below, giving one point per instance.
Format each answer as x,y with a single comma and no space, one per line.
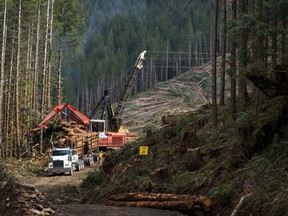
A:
189,203
79,137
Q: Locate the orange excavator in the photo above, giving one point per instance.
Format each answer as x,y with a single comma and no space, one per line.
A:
106,140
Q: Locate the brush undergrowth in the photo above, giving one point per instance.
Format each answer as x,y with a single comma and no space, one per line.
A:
229,158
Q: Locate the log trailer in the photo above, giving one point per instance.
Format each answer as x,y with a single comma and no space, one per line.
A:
115,121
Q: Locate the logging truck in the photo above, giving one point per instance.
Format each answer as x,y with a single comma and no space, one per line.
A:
65,161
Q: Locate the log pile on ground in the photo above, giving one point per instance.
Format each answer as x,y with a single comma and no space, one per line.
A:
23,200
191,203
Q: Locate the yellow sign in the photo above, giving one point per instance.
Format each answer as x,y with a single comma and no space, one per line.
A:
143,150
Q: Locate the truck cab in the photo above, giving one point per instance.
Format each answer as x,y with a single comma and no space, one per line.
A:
64,161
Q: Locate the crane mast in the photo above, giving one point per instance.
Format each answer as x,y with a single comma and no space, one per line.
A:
131,81
114,117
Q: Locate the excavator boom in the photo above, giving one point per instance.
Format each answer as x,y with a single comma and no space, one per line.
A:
75,115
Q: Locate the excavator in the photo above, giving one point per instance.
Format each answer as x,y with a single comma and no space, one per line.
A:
66,109
115,120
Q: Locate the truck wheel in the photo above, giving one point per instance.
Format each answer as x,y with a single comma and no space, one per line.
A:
72,171
78,166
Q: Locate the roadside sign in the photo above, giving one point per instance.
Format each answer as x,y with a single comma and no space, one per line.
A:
143,150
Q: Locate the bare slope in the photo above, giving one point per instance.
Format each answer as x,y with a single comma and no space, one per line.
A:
180,94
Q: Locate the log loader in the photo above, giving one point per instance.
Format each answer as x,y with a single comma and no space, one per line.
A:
66,159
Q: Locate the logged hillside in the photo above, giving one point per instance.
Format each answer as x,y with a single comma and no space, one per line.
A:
241,166
178,95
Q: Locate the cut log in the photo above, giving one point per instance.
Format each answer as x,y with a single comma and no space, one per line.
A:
161,201
153,204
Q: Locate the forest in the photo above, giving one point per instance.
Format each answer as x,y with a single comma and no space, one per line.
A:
231,53
70,51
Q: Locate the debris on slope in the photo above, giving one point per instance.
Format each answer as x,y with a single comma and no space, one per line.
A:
222,153
23,200
178,95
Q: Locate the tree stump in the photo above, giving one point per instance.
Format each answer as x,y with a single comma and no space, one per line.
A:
160,174
194,161
148,133
189,141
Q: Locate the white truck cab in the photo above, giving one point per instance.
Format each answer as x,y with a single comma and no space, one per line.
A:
64,160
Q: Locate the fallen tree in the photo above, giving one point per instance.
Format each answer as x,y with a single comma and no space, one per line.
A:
162,201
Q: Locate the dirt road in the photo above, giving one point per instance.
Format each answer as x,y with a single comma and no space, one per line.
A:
65,188
92,210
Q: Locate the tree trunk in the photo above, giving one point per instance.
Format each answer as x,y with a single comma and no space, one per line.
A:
214,65
8,120
17,90
243,57
44,75
50,57
233,62
35,78
167,60
3,52
283,41
27,72
59,92
43,92
274,39
259,38
223,54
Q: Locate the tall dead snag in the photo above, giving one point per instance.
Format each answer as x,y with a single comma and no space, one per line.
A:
162,201
17,85
214,65
4,39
